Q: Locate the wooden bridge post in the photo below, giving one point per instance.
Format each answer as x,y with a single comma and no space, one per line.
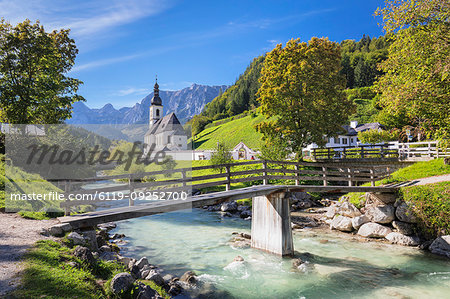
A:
324,175
265,180
131,188
66,192
271,224
372,177
350,176
297,174
228,185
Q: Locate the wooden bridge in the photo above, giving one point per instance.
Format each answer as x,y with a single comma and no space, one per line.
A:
271,224
408,152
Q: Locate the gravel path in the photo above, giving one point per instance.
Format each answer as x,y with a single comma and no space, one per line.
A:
16,236
433,179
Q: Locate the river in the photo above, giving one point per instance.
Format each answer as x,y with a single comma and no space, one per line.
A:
336,267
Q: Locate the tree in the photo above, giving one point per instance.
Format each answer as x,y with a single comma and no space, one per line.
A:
221,155
416,82
302,94
33,64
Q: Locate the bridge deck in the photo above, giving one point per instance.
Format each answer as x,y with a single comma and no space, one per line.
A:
197,201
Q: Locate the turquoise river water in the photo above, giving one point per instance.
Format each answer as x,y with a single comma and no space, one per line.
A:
340,268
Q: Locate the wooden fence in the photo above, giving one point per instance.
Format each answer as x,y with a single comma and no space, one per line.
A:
414,151
259,172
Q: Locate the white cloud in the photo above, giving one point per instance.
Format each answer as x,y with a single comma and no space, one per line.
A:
133,91
84,18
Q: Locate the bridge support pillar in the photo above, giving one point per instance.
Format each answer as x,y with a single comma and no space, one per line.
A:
271,224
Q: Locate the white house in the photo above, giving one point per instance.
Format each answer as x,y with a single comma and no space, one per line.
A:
166,133
349,136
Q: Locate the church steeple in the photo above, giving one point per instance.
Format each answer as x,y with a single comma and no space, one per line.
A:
156,108
156,100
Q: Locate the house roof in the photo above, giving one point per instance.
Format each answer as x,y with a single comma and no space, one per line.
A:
168,123
349,131
369,126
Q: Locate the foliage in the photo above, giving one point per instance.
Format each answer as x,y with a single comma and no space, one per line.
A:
302,89
33,64
416,83
360,59
375,136
239,97
365,100
221,155
274,150
168,164
431,204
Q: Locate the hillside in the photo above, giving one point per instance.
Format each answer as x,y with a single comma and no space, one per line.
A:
186,103
359,66
231,131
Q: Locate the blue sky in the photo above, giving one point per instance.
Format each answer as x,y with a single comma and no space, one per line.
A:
123,44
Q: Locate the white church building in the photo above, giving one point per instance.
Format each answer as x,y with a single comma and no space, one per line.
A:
166,133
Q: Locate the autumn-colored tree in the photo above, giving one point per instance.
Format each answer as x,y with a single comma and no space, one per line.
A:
302,93
33,64
416,83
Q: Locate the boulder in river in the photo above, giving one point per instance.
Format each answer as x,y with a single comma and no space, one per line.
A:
380,214
342,223
404,213
374,230
144,291
403,227
441,246
229,206
142,262
342,208
359,220
121,283
400,239
189,277
156,278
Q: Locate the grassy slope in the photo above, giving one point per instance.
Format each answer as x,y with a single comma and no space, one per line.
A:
231,133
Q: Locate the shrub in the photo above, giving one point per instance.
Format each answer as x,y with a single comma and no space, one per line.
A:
375,136
431,205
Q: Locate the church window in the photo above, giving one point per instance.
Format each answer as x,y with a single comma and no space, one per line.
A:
169,139
157,112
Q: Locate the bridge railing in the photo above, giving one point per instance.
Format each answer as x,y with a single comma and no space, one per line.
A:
225,175
391,151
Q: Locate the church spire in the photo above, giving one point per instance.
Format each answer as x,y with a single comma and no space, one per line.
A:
156,100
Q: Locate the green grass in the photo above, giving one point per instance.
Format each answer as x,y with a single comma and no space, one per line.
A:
431,205
231,132
420,170
48,274
413,172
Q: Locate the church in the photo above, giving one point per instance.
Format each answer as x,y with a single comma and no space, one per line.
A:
166,133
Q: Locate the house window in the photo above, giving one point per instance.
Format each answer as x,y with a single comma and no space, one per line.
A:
337,140
344,140
330,140
157,112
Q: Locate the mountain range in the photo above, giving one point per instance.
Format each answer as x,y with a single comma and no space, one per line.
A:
186,103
